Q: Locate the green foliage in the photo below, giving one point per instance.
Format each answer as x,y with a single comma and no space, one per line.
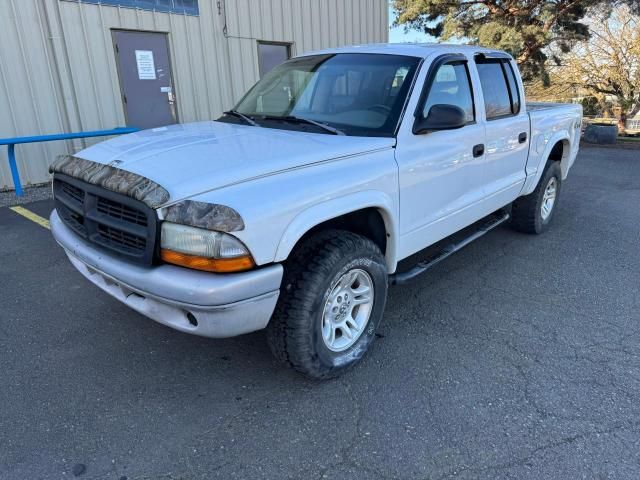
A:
524,28
590,106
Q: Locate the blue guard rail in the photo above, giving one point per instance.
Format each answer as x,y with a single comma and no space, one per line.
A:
12,142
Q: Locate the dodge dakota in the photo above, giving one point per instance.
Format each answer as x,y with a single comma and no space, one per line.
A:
292,211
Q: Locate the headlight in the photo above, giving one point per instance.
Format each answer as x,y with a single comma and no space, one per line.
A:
202,249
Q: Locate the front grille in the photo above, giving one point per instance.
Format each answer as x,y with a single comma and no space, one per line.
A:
115,222
121,211
73,192
112,237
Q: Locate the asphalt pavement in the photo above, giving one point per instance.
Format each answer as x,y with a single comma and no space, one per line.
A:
517,358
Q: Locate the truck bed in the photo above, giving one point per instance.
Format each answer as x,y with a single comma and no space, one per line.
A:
536,106
547,119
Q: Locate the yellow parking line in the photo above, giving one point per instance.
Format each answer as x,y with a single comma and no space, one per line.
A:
43,222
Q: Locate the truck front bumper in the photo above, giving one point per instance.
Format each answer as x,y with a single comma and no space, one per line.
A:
201,303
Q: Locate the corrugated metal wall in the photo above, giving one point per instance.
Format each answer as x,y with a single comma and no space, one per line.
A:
58,68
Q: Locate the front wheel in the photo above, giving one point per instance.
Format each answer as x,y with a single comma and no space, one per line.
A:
533,213
332,299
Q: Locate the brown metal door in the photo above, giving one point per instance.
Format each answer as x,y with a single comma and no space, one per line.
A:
145,78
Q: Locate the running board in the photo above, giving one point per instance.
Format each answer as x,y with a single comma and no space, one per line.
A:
420,268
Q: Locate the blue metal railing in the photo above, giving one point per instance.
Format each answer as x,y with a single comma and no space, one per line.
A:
12,142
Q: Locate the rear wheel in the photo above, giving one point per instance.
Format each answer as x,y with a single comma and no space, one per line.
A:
533,213
332,299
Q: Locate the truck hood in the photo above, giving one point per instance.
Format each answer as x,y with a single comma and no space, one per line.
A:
190,159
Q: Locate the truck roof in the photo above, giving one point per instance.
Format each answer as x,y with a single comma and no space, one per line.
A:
420,50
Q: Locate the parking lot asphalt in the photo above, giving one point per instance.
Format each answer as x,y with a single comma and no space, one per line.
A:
517,358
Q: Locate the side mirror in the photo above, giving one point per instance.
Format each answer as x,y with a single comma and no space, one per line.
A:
440,117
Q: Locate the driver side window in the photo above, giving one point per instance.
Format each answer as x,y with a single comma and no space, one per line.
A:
452,86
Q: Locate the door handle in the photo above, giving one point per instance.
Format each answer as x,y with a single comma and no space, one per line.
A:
478,150
522,137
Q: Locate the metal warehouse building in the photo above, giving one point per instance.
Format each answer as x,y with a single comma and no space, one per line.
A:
80,65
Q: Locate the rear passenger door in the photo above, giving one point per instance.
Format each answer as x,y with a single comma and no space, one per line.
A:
507,130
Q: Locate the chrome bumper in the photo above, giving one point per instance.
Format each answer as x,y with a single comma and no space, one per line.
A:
206,304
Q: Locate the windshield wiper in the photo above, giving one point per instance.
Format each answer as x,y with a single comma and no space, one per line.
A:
293,119
241,116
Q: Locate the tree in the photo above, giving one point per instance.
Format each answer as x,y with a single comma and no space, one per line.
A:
609,64
590,106
524,28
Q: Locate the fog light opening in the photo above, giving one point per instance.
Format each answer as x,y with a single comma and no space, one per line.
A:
192,319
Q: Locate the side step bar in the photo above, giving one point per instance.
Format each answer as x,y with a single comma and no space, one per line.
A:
420,268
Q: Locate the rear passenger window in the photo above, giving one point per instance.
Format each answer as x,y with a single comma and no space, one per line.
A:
513,88
451,86
500,88
497,100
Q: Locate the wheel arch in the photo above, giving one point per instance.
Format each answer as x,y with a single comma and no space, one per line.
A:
560,152
371,214
557,148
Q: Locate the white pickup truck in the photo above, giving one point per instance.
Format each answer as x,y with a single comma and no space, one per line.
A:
292,211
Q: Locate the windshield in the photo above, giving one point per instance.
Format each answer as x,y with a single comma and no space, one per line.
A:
356,94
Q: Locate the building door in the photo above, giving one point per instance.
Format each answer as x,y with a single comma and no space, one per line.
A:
272,54
145,78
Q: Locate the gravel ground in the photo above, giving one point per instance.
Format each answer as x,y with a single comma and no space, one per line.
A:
31,194
517,358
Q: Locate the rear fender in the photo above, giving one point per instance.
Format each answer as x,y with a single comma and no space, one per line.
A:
539,153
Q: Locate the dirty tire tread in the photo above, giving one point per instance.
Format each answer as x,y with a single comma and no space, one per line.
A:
525,212
309,265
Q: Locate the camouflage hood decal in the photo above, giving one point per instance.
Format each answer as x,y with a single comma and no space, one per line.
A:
112,178
205,215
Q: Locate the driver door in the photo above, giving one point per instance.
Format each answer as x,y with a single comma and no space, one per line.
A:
441,172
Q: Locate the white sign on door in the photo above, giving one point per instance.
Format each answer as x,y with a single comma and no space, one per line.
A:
146,65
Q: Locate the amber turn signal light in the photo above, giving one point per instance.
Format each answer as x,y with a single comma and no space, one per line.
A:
218,265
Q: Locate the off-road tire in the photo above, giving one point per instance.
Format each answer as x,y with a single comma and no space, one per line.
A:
526,212
295,330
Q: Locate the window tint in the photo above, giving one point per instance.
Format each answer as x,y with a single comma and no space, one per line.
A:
451,87
270,55
494,87
513,87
